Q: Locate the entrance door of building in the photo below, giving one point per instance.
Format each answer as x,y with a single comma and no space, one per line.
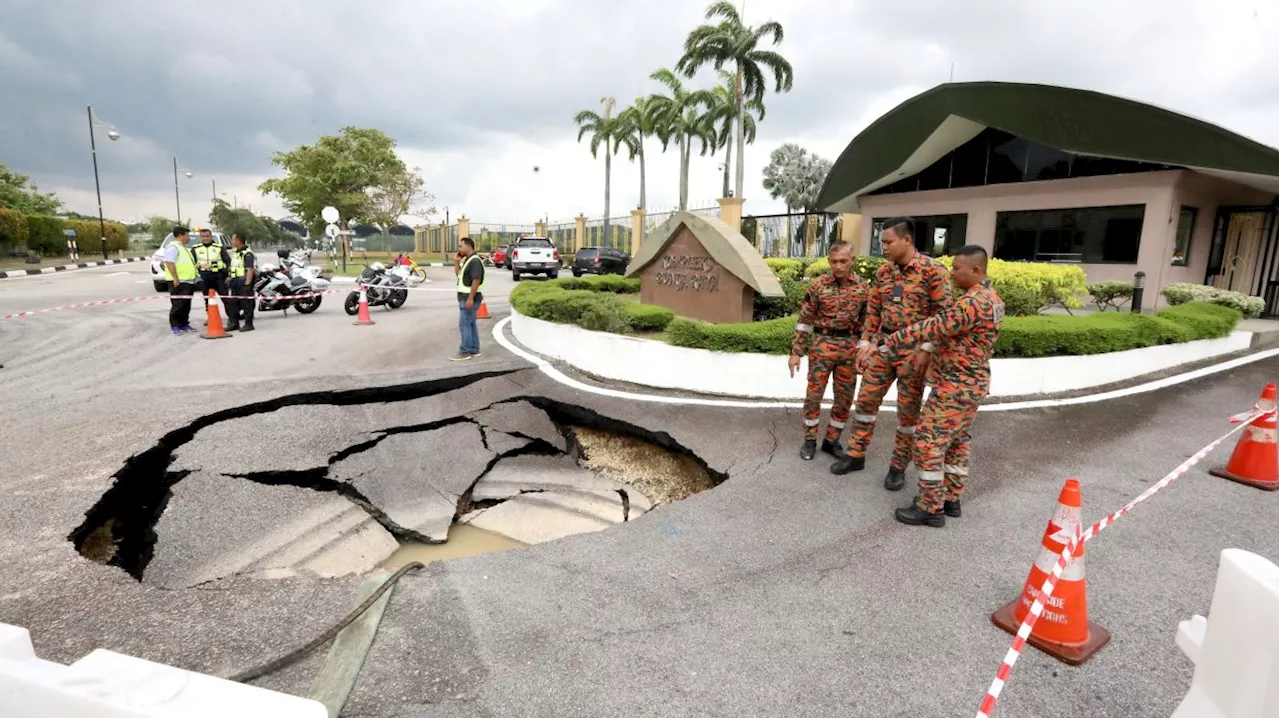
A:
1239,238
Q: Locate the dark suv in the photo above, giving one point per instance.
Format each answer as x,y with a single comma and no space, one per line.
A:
534,255
599,260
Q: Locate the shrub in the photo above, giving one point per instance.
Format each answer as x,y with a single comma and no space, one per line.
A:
1183,292
44,235
768,337
784,268
589,302
793,291
604,283
864,266
649,318
1028,287
1110,294
13,229
1101,333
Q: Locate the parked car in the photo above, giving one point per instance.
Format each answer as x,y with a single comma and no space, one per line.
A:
534,255
599,260
500,258
157,260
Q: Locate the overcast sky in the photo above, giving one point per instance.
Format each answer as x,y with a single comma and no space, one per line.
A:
477,93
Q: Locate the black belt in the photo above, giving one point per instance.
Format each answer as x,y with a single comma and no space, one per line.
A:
832,332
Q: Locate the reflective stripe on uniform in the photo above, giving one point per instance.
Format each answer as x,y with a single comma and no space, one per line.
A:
836,424
956,470
812,422
864,418
932,477
210,254
804,328
237,262
906,430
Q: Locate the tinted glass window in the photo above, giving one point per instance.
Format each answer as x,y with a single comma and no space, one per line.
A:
544,243
587,253
1092,235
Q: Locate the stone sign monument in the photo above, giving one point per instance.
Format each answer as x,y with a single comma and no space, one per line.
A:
701,268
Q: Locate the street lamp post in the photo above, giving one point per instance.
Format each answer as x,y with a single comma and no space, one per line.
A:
112,134
176,200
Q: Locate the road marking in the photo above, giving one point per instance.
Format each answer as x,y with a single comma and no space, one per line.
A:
118,274
560,377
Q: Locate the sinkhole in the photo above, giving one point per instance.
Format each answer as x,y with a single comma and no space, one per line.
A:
519,471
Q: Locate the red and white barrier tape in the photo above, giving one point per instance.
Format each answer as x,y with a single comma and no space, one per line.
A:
1046,591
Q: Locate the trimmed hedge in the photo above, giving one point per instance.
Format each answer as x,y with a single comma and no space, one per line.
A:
44,234
1038,336
1110,294
1183,292
591,303
1026,288
1101,333
768,337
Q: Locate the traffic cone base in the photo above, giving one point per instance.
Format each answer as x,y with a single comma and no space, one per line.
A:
483,313
1255,461
1063,629
213,327
1070,655
363,317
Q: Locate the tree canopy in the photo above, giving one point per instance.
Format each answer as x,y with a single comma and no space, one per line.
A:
354,171
795,176
18,192
256,229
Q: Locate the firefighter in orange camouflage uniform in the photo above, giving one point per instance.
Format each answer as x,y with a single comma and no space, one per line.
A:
830,322
907,288
966,335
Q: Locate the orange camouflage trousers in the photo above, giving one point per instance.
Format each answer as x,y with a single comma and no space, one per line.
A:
877,377
942,443
834,358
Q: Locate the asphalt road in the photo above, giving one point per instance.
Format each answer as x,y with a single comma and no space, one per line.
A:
784,591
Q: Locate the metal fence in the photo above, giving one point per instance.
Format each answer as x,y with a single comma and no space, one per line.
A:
792,235
562,235
619,236
489,236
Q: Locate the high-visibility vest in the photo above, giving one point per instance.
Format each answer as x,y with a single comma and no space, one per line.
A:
463,287
185,265
237,261
210,254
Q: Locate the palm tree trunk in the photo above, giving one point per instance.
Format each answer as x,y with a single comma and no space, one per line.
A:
608,171
742,114
685,144
728,155
788,244
643,204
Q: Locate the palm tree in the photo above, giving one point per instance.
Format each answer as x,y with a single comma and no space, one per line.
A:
724,112
607,131
639,121
682,117
733,42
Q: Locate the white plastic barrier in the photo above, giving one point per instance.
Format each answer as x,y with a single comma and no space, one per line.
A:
1236,655
105,684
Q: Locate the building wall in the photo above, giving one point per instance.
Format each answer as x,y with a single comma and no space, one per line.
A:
1163,193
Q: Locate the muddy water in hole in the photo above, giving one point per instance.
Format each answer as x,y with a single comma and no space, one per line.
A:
464,540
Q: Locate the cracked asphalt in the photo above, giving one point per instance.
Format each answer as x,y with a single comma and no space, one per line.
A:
783,591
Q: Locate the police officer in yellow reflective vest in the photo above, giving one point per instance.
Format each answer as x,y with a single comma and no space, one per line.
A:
180,270
242,274
470,270
212,261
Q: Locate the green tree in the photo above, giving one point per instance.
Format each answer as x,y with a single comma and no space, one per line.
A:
731,41
339,170
683,118
724,113
398,193
608,132
639,122
256,229
160,227
19,193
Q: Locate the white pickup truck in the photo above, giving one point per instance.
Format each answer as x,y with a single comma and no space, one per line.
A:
157,259
534,255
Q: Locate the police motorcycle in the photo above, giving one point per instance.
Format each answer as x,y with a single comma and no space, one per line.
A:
280,288
382,286
296,266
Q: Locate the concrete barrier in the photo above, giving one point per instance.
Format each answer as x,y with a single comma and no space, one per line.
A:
764,376
105,684
1235,650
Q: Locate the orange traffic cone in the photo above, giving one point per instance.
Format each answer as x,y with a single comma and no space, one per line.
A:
1255,461
214,330
483,313
363,317
1063,629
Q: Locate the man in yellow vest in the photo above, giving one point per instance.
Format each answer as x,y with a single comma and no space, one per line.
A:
180,270
470,270
242,273
212,261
